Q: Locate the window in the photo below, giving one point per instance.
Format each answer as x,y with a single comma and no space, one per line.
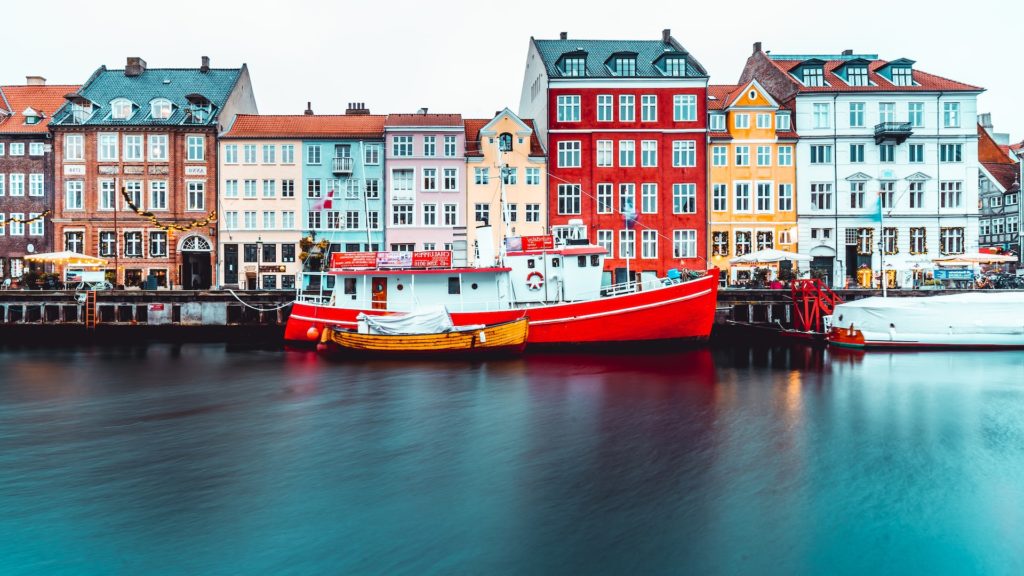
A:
35,184
133,188
449,146
402,183
684,198
195,149
649,153
822,115
886,112
250,253
269,153
951,240
287,153
269,188
505,142
74,147
371,154
764,120
785,197
451,214
450,180
764,197
856,153
624,66
649,244
481,176
106,147
826,233
997,225
887,153
429,214
574,66
160,109
17,187
813,77
627,112
402,214
917,241
719,243
649,198
627,198
856,195
250,188
312,155
916,152
765,240
717,122
133,244
951,152
231,188
35,227
887,194
533,212
231,154
108,244
857,75
741,193
902,76
648,108
764,155
915,111
821,196
288,220
249,219
568,199
719,156
741,120
719,197
684,153
132,147
533,176
158,147
429,145
743,242
372,188
627,153
684,109
951,115
604,108
108,194
821,154
429,179
511,213
1011,224
481,212
951,194
856,114
605,239
627,243
785,155
568,108
743,155
158,195
569,154
269,219
196,195
287,255
604,199
74,194
121,109
73,241
783,121
916,192
864,240
675,66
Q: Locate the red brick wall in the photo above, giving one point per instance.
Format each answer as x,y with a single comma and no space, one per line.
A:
16,246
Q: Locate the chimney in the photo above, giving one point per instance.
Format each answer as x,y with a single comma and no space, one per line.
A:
563,35
985,119
35,80
848,52
357,109
422,110
206,65
309,109
665,35
135,66
757,47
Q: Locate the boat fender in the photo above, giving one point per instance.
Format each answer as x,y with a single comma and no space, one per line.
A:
313,334
483,337
535,280
849,331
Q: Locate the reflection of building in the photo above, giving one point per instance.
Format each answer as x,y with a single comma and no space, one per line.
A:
153,134
624,124
998,191
752,188
872,131
506,142
26,170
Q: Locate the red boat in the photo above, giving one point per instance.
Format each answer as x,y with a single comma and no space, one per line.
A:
560,287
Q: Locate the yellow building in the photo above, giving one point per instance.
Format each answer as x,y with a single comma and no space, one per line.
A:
752,176
508,141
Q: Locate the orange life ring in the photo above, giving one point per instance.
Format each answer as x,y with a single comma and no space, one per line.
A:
535,280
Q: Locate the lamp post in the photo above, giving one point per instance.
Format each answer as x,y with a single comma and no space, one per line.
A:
259,256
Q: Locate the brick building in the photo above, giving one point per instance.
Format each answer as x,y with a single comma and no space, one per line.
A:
26,170
153,134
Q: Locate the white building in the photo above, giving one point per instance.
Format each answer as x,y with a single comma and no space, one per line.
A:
873,131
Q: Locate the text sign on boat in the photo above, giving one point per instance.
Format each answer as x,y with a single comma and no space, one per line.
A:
354,260
425,259
538,243
394,259
432,259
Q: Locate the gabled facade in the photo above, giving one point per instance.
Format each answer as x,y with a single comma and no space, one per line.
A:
425,178
624,124
26,171
999,196
752,182
504,155
151,134
874,131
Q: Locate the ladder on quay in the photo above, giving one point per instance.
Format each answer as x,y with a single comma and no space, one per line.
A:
91,317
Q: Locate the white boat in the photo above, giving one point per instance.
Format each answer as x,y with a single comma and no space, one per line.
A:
969,320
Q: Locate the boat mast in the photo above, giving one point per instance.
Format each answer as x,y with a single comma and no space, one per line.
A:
881,244
502,200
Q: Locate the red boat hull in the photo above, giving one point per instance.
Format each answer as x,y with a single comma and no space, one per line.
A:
683,311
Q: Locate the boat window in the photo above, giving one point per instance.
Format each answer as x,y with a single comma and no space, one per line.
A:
595,260
556,262
530,263
473,286
400,287
581,261
350,285
454,287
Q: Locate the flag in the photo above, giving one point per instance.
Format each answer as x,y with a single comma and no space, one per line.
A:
326,203
876,212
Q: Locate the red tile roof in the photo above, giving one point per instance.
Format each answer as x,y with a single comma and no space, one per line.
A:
474,125
719,95
307,126
925,82
1006,174
417,120
989,150
45,99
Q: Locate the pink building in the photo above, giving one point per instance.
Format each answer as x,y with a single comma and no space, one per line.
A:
426,182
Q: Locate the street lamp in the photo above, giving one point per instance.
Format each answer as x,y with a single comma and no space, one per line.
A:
259,256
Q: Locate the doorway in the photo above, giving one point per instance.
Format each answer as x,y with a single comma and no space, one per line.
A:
196,271
231,264
380,293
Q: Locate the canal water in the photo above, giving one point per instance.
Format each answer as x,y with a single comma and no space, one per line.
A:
202,460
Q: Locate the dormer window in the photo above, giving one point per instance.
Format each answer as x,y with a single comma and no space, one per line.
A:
624,66
505,142
160,109
717,122
675,66
122,109
782,121
575,66
902,76
813,76
857,75
80,112
31,116
199,114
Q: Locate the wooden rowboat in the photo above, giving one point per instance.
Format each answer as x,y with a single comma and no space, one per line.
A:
495,339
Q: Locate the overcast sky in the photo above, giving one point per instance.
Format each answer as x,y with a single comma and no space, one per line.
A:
468,56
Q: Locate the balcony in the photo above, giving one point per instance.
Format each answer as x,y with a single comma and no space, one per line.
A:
892,132
342,165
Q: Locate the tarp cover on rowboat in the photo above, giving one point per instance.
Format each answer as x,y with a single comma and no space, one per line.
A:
427,320
972,313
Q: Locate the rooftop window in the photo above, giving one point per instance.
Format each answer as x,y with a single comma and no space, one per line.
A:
80,112
624,66
813,76
902,76
575,66
122,109
675,66
160,109
857,76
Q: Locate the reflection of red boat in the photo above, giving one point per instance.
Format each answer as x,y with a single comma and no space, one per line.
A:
557,286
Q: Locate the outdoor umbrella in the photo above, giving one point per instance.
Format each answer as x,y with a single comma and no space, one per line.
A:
67,257
973,258
769,255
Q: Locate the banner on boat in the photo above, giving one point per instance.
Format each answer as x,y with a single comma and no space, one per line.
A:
425,259
528,243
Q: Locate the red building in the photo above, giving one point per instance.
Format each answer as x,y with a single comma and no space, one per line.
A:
625,126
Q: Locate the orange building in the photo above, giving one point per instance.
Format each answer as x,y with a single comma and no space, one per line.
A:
752,176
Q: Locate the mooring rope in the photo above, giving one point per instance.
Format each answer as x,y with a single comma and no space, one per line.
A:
247,305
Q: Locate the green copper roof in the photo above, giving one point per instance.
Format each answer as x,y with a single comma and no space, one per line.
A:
174,84
599,51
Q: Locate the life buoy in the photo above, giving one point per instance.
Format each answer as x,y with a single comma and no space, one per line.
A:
535,280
